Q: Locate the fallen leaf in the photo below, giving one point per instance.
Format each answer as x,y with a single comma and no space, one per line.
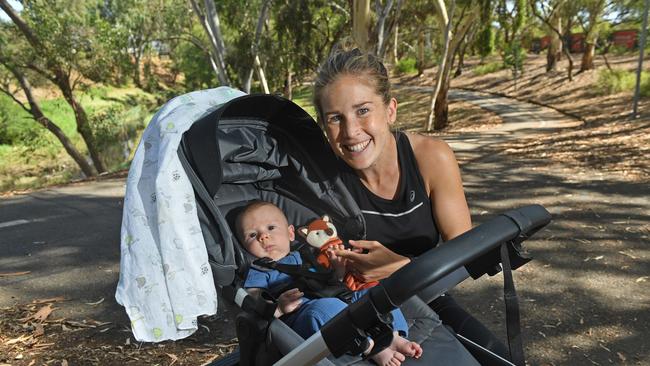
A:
128,342
173,357
641,279
15,273
599,257
621,356
42,313
96,302
19,357
64,362
32,363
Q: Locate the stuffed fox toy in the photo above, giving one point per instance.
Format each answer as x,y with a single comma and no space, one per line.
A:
322,235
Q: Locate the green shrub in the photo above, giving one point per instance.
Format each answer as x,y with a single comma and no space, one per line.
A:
617,80
406,66
617,50
115,130
488,68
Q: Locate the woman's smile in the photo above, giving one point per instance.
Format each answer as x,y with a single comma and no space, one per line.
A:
359,147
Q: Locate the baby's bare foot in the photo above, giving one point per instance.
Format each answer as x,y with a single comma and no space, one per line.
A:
388,357
406,347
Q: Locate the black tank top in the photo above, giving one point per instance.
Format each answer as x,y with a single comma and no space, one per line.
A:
405,224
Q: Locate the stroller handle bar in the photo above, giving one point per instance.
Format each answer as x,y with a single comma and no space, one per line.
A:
512,226
339,333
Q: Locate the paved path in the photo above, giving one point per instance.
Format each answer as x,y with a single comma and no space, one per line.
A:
582,300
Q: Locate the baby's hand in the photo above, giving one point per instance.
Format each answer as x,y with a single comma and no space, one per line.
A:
338,263
289,301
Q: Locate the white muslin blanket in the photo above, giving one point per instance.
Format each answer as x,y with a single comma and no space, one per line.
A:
165,279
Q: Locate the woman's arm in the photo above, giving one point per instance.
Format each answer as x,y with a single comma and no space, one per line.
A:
441,175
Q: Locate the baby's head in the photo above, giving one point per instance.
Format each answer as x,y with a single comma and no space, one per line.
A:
264,231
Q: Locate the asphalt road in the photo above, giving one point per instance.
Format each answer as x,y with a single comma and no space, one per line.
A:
68,239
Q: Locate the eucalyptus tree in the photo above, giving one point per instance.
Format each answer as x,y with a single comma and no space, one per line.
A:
485,39
551,13
590,18
15,84
61,45
457,25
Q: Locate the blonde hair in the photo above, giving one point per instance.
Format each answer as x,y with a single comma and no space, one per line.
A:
355,63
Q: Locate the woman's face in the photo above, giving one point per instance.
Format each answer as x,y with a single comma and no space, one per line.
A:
356,120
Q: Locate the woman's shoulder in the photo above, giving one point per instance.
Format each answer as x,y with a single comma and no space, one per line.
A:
434,150
435,159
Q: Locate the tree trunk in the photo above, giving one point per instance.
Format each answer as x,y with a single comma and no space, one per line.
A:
83,126
554,53
591,35
395,45
136,71
441,109
38,115
260,75
461,59
567,53
210,22
588,57
360,21
288,91
442,11
420,61
257,65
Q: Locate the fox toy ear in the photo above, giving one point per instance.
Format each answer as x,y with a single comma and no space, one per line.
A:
326,218
303,231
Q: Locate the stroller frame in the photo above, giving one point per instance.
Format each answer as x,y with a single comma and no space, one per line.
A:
215,135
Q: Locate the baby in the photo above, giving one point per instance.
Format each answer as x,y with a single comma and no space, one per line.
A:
264,231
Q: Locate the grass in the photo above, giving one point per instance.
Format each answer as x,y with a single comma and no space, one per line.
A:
302,96
406,66
31,157
617,81
488,68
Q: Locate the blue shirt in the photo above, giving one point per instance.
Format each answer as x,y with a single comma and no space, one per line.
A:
272,280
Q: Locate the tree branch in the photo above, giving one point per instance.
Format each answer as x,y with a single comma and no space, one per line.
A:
13,97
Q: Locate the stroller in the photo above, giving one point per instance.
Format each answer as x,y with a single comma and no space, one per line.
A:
264,147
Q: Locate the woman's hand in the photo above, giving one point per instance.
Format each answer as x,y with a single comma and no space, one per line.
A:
288,301
377,263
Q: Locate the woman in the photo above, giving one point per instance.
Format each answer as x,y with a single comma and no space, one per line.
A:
408,186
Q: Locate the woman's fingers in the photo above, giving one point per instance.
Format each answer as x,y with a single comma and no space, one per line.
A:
348,254
364,244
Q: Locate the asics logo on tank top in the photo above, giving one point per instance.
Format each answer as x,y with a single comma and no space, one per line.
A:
412,196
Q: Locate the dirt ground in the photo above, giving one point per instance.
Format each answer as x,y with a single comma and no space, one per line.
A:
585,299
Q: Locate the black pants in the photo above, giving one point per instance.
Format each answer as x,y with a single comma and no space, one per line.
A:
466,325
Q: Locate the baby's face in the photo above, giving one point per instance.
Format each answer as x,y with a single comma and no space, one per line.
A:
265,232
